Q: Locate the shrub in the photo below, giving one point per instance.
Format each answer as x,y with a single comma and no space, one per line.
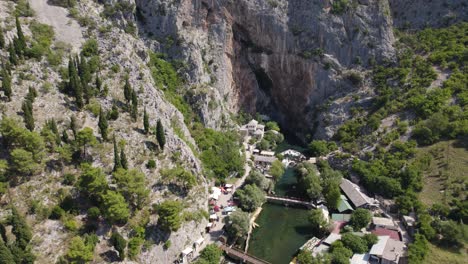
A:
339,6
90,48
69,179
151,164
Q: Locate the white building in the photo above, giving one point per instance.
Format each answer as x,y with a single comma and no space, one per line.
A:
254,129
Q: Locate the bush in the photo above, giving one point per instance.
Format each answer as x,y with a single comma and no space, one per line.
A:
90,48
151,164
69,179
119,244
339,6
57,212
93,213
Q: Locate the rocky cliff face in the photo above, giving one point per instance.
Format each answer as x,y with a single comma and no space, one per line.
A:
280,58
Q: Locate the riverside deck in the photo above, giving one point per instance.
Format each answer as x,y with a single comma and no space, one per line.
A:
242,256
290,200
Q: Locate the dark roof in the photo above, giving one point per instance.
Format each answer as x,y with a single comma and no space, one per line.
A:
353,194
393,234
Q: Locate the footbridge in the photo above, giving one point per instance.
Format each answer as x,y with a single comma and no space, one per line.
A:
290,200
242,256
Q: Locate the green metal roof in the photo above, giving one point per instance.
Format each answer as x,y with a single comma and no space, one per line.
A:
341,217
343,205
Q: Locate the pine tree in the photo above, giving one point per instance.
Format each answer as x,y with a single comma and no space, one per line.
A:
123,159
160,134
20,229
28,116
146,121
98,82
21,39
134,110
117,162
5,254
6,83
103,125
2,39
74,84
127,90
73,126
12,55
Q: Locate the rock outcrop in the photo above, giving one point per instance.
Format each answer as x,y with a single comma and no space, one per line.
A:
280,58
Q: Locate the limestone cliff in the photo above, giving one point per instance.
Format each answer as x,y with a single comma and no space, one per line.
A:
280,58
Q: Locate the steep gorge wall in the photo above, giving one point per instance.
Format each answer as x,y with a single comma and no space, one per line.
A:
258,57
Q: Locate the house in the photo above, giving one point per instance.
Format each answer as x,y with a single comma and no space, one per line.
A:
331,238
186,255
355,196
312,160
409,222
263,160
360,259
253,128
383,222
393,234
267,153
387,251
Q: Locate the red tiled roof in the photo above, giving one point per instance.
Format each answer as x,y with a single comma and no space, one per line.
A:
393,234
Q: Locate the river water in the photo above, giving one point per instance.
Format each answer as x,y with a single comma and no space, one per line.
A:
282,230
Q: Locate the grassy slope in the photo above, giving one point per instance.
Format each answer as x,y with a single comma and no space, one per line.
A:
447,169
449,165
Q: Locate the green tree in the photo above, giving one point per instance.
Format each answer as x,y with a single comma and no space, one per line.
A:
92,181
21,39
355,243
102,123
98,82
250,197
341,255
304,257
28,116
86,138
263,145
276,169
23,162
308,180
20,229
169,213
123,159
5,253
160,134
119,244
12,57
418,250
146,124
127,90
90,48
79,252
318,148
272,125
360,218
134,109
370,239
318,221
211,253
73,126
6,83
131,184
452,234
257,178
117,161
114,207
2,39
237,224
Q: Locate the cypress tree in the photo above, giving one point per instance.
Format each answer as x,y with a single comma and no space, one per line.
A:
73,126
123,159
134,110
28,116
103,125
117,163
127,90
32,94
21,39
160,134
146,121
12,55
65,136
2,39
83,70
6,83
98,82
